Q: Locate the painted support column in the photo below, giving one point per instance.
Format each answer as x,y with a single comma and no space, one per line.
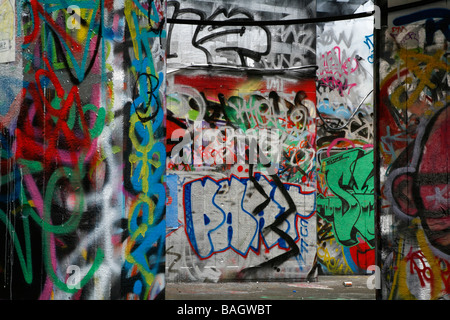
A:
82,150
414,151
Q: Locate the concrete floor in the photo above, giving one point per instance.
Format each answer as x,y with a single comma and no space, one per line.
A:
326,288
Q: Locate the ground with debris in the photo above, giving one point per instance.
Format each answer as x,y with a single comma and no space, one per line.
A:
325,288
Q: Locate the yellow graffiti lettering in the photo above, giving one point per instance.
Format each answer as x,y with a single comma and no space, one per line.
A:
421,66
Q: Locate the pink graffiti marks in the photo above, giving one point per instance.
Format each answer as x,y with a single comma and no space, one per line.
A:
335,68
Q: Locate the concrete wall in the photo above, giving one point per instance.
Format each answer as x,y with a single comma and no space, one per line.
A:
243,184
414,127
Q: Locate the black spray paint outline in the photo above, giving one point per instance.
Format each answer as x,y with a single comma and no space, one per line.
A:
242,52
275,262
152,95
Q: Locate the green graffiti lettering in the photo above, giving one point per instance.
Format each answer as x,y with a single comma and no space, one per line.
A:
350,176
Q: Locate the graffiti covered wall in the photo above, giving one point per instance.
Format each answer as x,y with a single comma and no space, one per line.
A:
345,135
240,142
414,152
260,168
82,141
